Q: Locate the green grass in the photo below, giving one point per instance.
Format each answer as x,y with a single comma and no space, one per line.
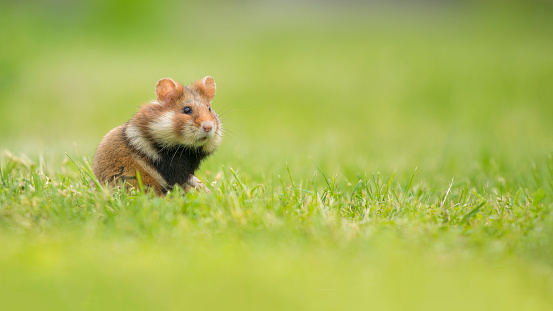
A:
282,244
376,158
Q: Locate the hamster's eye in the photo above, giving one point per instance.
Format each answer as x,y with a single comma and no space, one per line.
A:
187,110
209,109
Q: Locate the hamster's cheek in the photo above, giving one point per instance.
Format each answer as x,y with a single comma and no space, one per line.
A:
178,125
161,128
188,133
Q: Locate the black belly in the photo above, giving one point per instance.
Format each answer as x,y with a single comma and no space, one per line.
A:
178,163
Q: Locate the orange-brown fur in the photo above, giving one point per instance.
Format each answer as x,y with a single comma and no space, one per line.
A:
105,168
161,132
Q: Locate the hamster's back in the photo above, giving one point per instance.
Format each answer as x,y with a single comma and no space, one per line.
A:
115,160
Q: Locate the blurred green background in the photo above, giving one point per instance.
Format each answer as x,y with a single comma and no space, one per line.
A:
456,89
442,86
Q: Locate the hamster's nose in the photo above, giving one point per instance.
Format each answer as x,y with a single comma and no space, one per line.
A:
207,126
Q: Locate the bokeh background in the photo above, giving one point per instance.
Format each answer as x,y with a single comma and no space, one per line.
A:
461,91
359,87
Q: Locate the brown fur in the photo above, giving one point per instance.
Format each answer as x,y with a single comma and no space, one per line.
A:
116,161
157,133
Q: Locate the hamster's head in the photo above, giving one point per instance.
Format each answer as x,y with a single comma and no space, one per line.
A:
181,116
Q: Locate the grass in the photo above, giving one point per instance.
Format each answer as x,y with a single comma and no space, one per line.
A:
289,244
376,158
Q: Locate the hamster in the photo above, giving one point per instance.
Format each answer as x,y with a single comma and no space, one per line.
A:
165,141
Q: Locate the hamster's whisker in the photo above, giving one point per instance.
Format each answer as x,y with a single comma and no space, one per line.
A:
228,118
229,135
178,147
163,148
228,132
223,112
224,107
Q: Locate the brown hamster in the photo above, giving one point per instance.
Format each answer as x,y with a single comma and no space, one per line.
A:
165,141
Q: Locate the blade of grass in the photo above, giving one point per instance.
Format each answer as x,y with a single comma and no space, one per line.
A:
472,212
242,186
355,189
292,181
324,176
408,187
83,175
447,193
140,185
385,194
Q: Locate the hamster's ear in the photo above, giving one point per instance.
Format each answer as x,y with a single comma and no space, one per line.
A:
168,90
207,87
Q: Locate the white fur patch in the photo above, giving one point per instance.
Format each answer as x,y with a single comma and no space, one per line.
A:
162,128
138,141
214,141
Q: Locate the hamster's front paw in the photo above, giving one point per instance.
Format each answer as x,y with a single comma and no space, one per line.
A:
194,182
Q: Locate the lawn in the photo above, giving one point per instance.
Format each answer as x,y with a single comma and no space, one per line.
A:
392,158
